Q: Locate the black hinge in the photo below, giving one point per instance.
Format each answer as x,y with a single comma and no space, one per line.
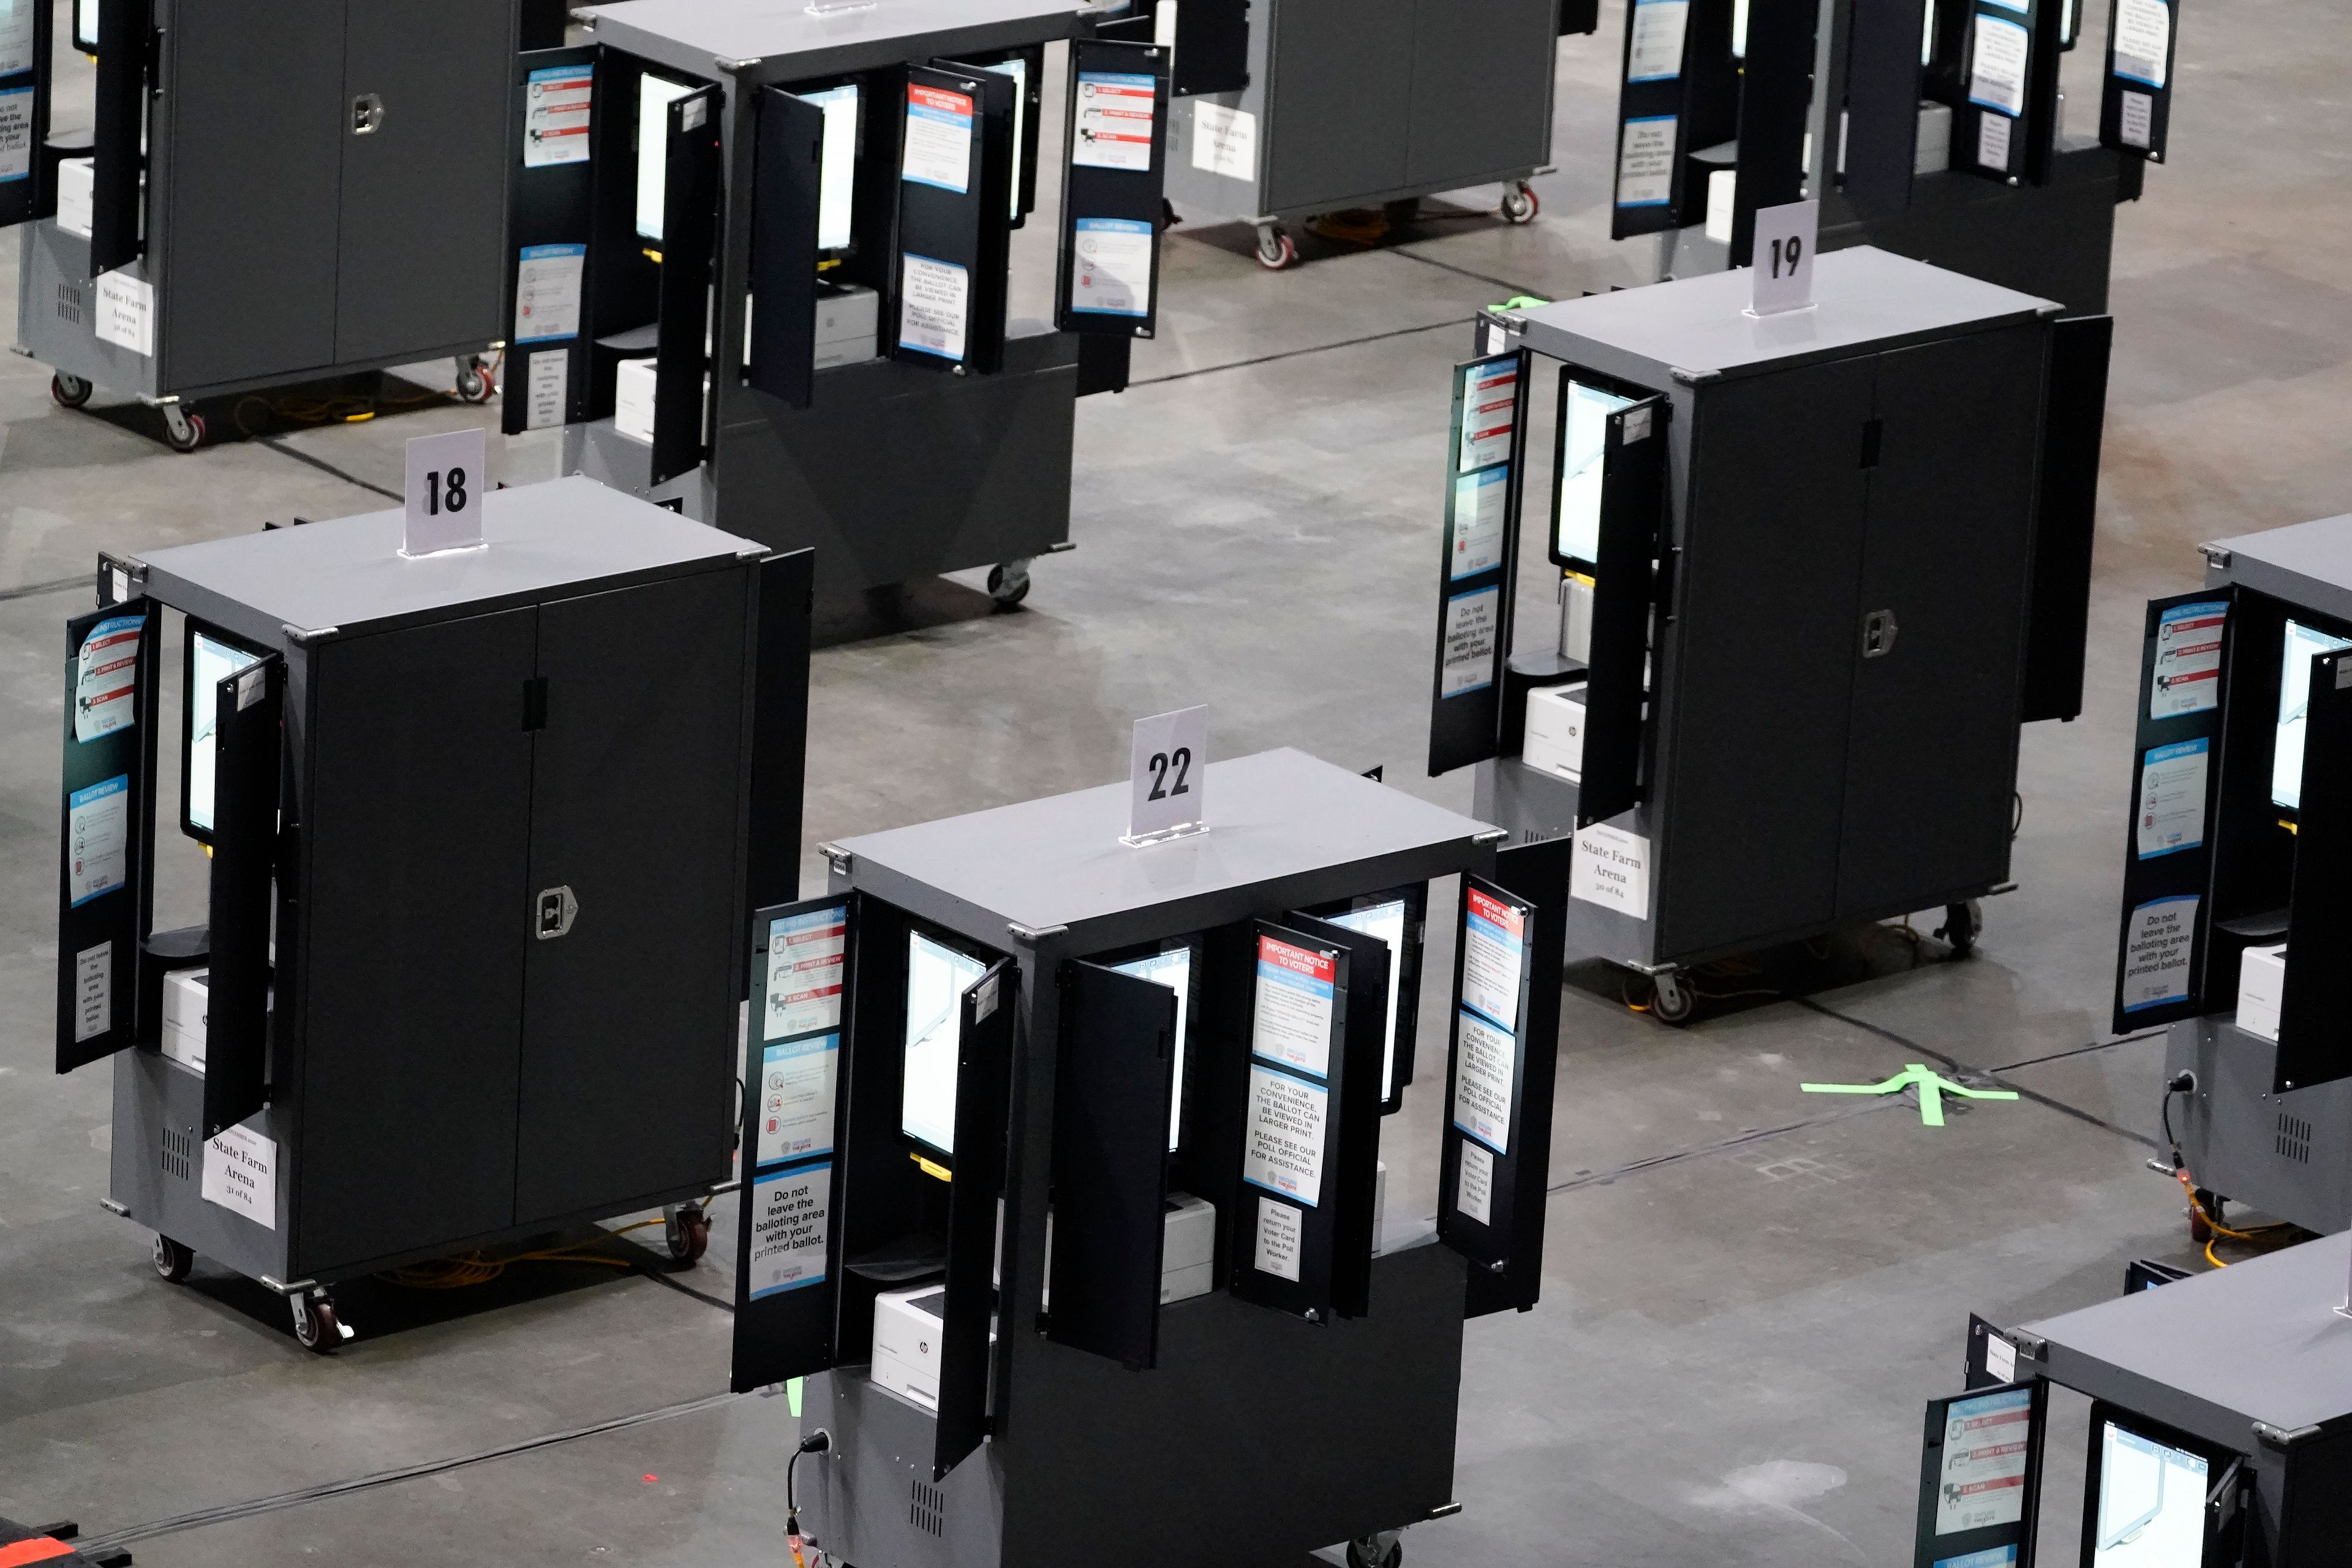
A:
1871,431
534,703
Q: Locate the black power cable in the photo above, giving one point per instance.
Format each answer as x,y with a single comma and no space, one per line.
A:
816,1442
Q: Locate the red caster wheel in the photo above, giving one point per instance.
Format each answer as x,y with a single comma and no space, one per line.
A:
687,1231
1519,204
476,380
316,1327
1275,250
182,431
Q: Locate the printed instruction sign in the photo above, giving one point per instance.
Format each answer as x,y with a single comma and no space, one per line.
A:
2135,120
1655,51
1987,1443
98,839
1474,1186
1283,1148
241,1174
934,306
1493,950
2157,944
555,115
1111,266
547,389
1471,630
94,992
1996,69
548,290
808,959
1612,868
1490,408
17,35
2143,40
1645,162
789,1215
16,134
1992,141
1224,141
1115,117
796,1086
938,139
2172,798
107,688
1481,504
1280,1230
1295,1006
126,313
2188,677
1483,1057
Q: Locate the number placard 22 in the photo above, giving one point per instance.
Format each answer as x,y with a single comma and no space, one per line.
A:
1168,782
446,478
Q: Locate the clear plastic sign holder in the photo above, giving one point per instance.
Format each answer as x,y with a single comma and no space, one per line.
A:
1781,263
1168,779
446,475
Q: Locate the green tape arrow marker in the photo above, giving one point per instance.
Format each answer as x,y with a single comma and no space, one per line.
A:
1932,1088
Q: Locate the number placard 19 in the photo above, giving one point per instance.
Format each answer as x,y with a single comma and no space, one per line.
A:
446,478
1169,782
1782,262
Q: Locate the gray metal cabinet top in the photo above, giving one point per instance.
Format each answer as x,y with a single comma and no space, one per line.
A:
704,36
1274,817
566,536
1695,328
2308,563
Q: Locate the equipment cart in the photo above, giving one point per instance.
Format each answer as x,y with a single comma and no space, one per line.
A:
273,192
2221,1425
1063,1180
765,280
480,824
2235,867
1814,568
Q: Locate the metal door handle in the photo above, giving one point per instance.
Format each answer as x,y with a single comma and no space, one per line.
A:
1878,629
557,909
367,113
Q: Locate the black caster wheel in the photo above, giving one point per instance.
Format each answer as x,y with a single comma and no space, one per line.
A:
1375,1551
1671,1001
1009,584
476,383
1519,204
689,1234
1275,250
1962,924
173,1260
316,1327
182,431
70,391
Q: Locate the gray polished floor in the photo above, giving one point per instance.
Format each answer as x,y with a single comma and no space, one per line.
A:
1750,1292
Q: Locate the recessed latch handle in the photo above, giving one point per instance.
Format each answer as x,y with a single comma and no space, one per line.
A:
367,113
557,909
1878,629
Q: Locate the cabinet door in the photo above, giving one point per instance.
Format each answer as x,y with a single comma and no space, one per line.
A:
418,818
422,261
637,796
1933,750
1481,88
1341,71
1760,655
252,117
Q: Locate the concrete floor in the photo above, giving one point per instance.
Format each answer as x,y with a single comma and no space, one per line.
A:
1749,1292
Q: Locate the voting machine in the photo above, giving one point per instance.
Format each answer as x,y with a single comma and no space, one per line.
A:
477,828
983,1064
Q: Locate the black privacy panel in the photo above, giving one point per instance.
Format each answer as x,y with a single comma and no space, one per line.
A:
787,1248
955,191
2168,853
690,240
550,216
983,1103
1357,1111
1632,514
2136,109
785,192
2314,1048
1484,482
2073,424
106,808
1108,276
118,158
246,730
24,100
1287,1223
1111,1096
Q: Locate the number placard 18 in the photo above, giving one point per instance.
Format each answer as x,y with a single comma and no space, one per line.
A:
1782,262
446,478
1168,784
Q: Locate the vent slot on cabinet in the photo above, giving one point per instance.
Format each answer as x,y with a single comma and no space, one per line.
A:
2293,1139
929,1511
179,1154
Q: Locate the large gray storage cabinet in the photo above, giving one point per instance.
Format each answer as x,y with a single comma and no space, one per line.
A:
1832,545
1355,104
286,190
480,837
